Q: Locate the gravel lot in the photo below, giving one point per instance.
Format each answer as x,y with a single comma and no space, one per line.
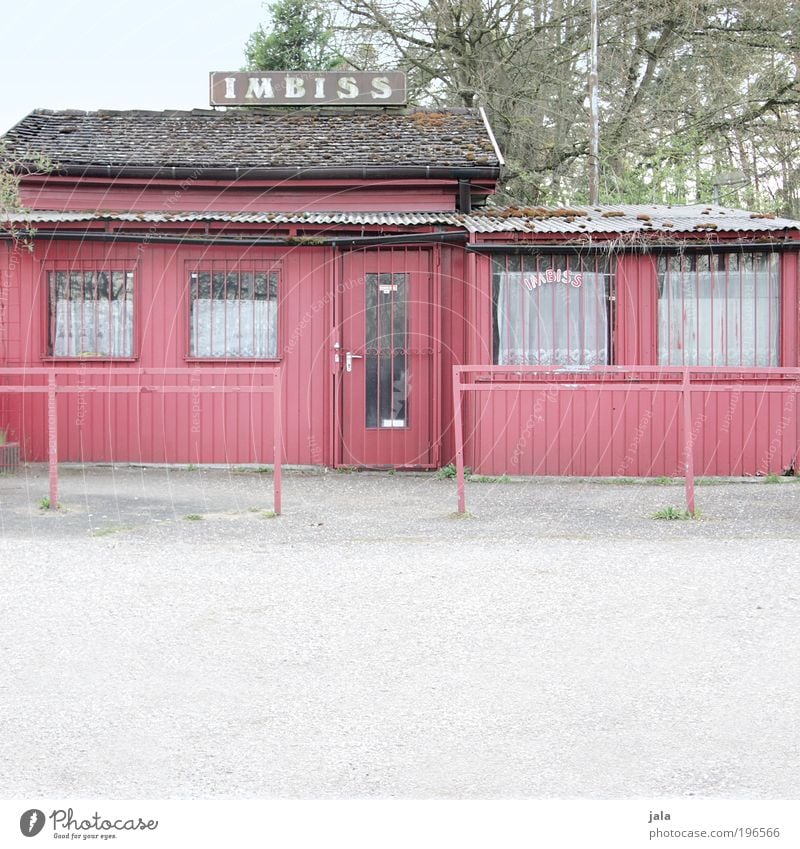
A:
558,643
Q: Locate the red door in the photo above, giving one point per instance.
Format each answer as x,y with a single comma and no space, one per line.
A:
386,358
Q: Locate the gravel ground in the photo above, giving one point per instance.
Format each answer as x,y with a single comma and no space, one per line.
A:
558,643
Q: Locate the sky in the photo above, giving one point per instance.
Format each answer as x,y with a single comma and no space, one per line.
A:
117,54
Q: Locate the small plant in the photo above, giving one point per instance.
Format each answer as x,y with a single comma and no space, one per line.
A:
44,503
772,479
193,517
268,514
674,513
345,470
191,467
490,479
450,471
464,515
663,481
3,436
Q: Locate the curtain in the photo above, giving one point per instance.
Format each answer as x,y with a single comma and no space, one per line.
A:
724,315
98,327
550,323
234,328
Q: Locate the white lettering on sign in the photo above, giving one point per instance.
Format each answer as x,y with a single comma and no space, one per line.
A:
381,88
348,88
295,87
260,88
532,280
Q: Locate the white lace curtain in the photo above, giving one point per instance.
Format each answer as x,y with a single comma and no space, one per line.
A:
234,328
722,318
100,328
554,323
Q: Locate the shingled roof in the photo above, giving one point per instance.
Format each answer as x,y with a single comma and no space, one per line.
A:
256,139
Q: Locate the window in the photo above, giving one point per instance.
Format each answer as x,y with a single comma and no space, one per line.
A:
552,310
233,310
719,309
90,313
386,317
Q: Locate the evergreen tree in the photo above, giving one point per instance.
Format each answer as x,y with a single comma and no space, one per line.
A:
299,39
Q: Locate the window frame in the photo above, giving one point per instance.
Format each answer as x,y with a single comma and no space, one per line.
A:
108,265
230,265
578,263
718,263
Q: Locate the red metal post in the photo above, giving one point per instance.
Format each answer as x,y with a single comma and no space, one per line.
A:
278,438
459,435
52,439
688,441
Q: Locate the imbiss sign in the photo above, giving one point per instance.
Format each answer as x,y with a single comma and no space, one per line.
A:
307,88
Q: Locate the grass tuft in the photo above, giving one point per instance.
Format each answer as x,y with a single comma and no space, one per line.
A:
674,513
449,471
193,517
489,479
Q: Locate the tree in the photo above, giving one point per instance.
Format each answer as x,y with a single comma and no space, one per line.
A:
689,88
300,39
12,166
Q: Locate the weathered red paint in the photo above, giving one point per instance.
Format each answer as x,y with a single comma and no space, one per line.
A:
63,193
586,432
412,444
591,430
160,429
631,421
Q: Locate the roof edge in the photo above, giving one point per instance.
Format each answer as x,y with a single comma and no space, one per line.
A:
199,172
490,131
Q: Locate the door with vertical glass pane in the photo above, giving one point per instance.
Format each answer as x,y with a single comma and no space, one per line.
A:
386,359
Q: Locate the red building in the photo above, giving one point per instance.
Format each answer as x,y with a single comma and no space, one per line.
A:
353,249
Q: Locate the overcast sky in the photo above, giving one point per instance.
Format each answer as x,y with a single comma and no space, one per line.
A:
118,54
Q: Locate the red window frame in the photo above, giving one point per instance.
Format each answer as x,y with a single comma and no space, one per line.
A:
228,269
90,271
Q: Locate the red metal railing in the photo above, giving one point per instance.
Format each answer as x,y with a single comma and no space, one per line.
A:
678,380
32,381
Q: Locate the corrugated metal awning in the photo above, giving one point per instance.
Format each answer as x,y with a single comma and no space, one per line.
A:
606,221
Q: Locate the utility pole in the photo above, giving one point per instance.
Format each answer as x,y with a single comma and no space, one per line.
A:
594,105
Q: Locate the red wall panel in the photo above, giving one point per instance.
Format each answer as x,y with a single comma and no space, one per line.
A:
741,431
199,197
189,428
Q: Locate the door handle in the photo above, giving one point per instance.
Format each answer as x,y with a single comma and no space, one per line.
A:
348,360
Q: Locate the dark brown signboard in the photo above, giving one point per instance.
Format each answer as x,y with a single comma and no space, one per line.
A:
308,88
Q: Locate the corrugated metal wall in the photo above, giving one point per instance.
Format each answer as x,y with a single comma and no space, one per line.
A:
591,432
208,428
